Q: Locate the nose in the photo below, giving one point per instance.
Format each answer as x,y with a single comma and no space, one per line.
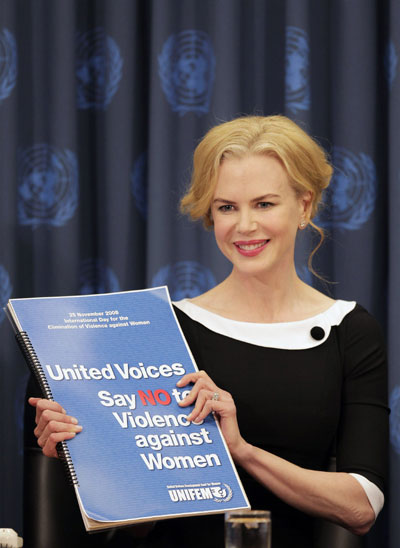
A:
246,221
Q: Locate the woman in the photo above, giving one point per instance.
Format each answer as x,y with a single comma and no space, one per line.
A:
305,375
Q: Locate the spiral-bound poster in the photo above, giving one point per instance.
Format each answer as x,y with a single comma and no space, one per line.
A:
113,361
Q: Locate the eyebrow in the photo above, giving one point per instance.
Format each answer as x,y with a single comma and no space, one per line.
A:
258,199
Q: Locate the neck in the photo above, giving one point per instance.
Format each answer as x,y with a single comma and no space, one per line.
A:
270,298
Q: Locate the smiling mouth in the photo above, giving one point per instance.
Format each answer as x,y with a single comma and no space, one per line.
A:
250,246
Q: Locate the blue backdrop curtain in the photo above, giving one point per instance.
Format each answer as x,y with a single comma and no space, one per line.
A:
101,105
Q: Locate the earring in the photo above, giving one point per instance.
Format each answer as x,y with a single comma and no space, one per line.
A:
302,224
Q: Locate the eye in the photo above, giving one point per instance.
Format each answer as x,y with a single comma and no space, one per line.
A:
226,208
264,205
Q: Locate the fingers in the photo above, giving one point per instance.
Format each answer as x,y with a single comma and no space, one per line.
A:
193,377
41,404
205,404
53,434
33,401
206,396
49,448
201,382
51,421
52,425
47,411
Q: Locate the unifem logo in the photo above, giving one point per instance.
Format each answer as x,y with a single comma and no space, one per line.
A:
98,69
186,66
218,492
47,185
5,290
297,86
8,63
350,198
185,279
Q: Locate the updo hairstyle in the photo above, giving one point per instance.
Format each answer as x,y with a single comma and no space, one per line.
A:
303,158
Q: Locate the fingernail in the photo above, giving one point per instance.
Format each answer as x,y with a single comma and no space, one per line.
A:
188,417
179,383
63,410
74,420
78,428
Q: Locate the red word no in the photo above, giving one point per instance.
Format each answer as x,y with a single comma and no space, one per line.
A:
158,396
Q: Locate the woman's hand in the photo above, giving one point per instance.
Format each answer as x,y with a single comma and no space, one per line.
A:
209,398
52,425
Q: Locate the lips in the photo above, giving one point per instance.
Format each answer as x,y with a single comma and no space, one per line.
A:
251,248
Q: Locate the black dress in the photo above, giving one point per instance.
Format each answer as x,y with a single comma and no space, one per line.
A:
299,396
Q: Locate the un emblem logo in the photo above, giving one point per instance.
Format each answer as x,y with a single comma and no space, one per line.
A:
222,493
8,63
139,184
98,69
185,279
5,290
390,63
394,404
350,198
297,86
47,186
186,66
96,277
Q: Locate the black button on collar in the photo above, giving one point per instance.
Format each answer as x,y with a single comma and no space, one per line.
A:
317,333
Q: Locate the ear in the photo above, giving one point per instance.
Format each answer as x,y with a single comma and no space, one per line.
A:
305,204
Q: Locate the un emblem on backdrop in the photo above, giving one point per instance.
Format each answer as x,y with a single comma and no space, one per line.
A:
297,86
8,63
390,63
96,277
394,404
139,184
47,186
5,290
350,198
98,69
186,66
185,279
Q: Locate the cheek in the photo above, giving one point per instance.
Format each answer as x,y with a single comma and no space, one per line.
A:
222,229
275,222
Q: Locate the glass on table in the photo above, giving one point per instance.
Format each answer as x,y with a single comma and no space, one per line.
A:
248,529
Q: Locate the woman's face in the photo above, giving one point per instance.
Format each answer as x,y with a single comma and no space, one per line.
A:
256,214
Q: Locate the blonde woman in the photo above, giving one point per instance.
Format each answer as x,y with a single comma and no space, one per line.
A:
293,376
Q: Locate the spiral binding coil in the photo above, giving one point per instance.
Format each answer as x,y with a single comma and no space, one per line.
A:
35,366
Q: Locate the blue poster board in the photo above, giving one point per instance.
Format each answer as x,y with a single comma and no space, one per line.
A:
113,361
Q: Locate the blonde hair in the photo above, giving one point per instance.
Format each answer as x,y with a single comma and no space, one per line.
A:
303,158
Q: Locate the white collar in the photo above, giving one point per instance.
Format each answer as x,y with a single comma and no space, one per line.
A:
284,335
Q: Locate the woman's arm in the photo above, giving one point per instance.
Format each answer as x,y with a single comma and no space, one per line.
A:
335,496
